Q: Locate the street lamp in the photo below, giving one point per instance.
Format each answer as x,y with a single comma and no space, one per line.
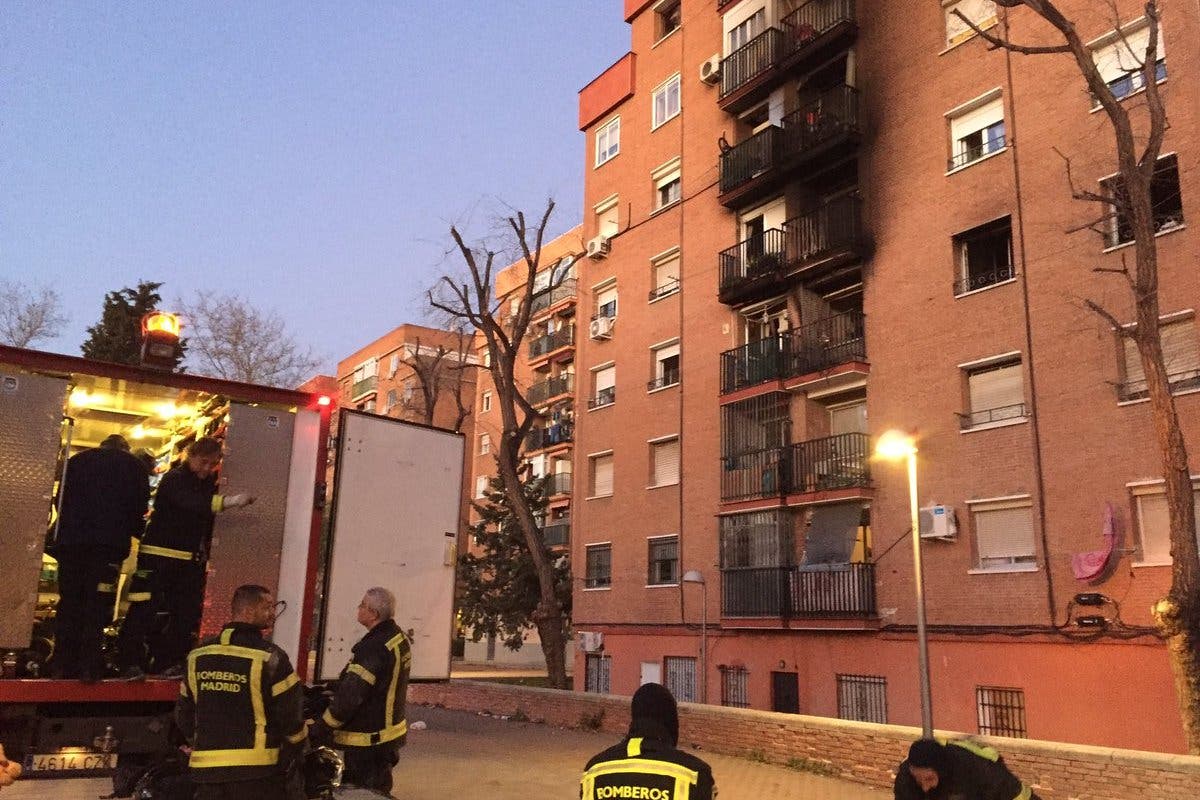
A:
695,576
894,445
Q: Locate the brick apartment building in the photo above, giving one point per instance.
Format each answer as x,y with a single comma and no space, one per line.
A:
546,370
811,222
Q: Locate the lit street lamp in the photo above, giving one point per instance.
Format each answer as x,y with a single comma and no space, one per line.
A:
695,576
896,446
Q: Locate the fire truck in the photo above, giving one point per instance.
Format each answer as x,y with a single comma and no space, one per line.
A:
389,519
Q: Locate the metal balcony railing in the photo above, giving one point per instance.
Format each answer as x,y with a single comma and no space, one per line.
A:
670,287
760,257
975,152
750,158
669,378
544,299
808,22
834,462
557,533
981,280
752,59
816,346
832,227
552,341
832,114
557,484
753,363
540,438
827,590
761,473
552,387
987,415
604,397
364,387
1139,390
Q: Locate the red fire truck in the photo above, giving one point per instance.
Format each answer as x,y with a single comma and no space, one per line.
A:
390,520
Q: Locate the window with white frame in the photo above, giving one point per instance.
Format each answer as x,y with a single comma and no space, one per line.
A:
365,370
976,129
665,274
604,387
597,566
487,358
664,462
668,17
662,561
410,388
980,12
481,485
995,392
392,400
608,141
485,444
600,475
741,34
1166,201
1003,533
1154,524
666,101
984,256
606,301
1120,55
1181,356
607,219
667,184
680,677
597,673
665,365
487,401
393,365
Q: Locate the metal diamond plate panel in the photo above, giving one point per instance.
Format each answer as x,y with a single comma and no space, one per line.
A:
31,412
247,541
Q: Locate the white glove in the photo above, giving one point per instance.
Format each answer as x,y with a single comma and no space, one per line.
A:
237,500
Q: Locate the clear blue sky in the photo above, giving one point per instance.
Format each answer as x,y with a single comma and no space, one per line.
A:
309,156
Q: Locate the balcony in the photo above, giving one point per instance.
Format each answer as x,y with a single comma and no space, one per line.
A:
543,392
827,128
663,381
812,591
557,533
604,397
815,347
989,416
364,387
820,249
558,484
818,29
749,73
567,290
549,436
544,345
837,464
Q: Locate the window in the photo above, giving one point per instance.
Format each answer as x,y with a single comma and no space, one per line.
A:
1165,199
1119,57
669,17
663,561
481,485
606,301
667,192
487,401
667,184
983,256
981,12
752,26
862,698
1004,534
597,673
995,393
368,369
664,462
681,677
410,388
392,400
393,365
606,217
487,359
976,130
1154,525
848,418
604,387
1001,711
734,686
598,570
1181,355
665,274
608,141
485,444
601,475
666,101
666,366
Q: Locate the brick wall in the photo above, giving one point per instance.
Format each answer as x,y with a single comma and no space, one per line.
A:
852,750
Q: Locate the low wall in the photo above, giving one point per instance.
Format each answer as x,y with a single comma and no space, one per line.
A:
856,751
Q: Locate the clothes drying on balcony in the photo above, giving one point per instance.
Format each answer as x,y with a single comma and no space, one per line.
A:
832,534
1090,565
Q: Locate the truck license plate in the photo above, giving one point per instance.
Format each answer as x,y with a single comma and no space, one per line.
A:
70,762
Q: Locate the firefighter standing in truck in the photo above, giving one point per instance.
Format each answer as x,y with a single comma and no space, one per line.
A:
365,717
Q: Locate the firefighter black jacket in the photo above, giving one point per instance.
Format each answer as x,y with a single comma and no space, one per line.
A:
241,707
646,768
183,511
104,503
972,772
368,707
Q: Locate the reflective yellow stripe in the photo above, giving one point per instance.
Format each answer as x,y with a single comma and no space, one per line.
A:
299,736
250,757
981,750
256,701
362,672
165,552
684,778
634,748
359,739
139,597
1025,794
231,650
395,641
107,588
329,719
226,635
218,504
389,710
191,673
285,684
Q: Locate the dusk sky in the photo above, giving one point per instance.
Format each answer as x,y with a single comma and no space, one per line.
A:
307,156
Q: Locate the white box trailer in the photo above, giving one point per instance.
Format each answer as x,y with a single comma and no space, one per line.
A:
394,516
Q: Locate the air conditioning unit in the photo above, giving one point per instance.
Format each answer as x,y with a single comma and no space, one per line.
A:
598,247
938,522
591,641
601,328
710,70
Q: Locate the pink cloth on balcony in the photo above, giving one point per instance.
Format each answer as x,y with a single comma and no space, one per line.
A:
1087,566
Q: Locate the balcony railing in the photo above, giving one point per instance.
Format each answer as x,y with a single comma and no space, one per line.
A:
552,387
975,152
834,462
552,341
663,381
981,280
832,227
1178,381
827,590
815,18
758,258
364,387
557,484
757,56
544,299
549,436
832,114
670,287
604,397
816,346
988,415
761,473
750,158
557,534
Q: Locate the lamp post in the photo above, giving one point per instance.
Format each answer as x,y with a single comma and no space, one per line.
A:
695,576
896,446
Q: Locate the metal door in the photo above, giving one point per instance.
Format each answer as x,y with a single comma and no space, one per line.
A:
396,503
785,692
31,416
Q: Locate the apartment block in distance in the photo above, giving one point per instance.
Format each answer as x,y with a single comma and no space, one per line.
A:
545,370
808,223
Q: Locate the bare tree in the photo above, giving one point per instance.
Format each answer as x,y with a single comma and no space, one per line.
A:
438,370
1138,145
471,300
229,338
28,315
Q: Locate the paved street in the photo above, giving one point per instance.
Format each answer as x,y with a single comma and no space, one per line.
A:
466,755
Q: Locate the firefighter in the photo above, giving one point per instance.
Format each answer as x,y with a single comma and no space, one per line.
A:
946,770
365,717
241,708
647,763
170,571
105,495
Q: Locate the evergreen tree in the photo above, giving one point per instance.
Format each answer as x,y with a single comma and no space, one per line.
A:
500,585
117,337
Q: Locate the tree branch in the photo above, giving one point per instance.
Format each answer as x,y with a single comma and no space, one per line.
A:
997,42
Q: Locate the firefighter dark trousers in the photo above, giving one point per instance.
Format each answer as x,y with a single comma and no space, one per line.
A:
87,586
371,767
274,788
166,623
